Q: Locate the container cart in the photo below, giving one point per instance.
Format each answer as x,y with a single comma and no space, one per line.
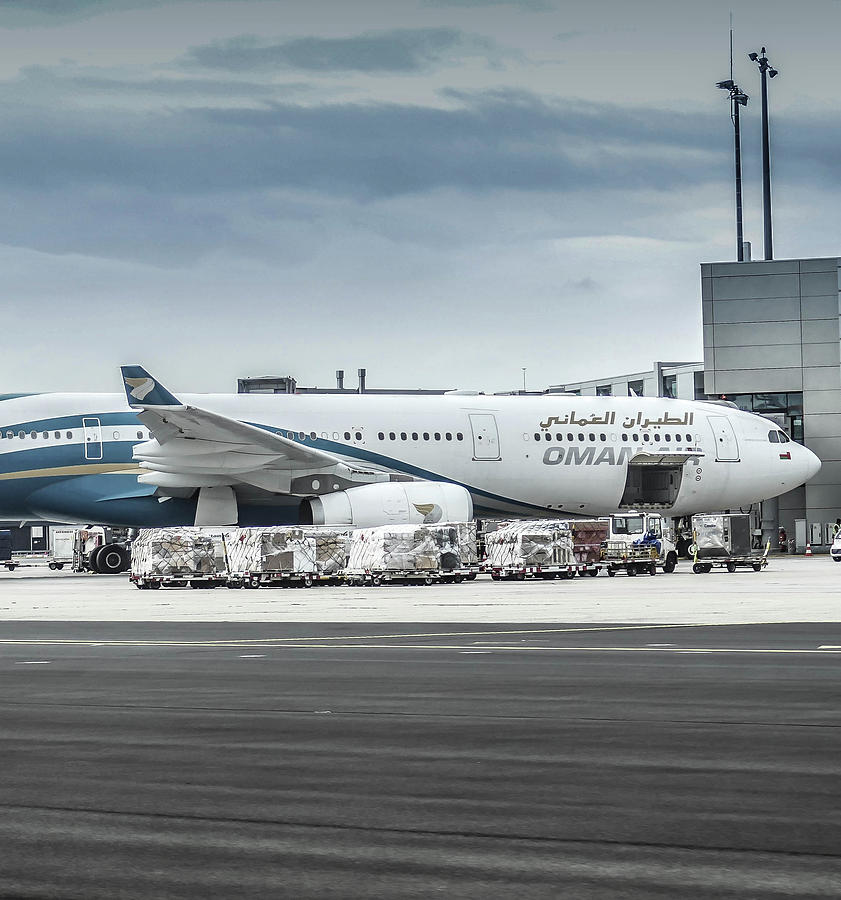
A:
723,541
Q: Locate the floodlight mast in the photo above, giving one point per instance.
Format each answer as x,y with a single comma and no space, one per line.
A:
765,70
737,98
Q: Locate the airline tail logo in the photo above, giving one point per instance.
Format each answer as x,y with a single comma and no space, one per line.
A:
140,387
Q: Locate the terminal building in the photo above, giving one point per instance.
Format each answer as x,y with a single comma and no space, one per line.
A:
772,345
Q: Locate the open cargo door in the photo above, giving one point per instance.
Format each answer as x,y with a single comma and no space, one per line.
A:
654,479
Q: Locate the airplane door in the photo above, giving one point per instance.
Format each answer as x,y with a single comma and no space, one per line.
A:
93,438
726,445
485,436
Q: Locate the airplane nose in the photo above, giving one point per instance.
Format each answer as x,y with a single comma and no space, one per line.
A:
811,464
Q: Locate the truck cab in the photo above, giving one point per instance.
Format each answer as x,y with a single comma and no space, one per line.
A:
649,528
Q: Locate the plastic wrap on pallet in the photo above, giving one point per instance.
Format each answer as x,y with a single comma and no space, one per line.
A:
525,544
587,537
287,549
413,548
723,535
178,552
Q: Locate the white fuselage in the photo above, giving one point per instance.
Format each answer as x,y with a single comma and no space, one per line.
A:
542,455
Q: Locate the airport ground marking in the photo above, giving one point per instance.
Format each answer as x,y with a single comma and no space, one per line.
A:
334,639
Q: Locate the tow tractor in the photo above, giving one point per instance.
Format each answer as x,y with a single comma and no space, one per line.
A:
649,533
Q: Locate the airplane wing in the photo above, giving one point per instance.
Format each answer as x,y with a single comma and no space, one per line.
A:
168,419
194,449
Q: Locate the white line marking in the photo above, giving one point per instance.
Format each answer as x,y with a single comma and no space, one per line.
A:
499,649
474,652
34,662
235,642
252,656
829,647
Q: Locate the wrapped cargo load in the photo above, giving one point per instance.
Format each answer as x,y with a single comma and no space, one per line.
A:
413,548
521,545
287,549
178,553
587,538
722,535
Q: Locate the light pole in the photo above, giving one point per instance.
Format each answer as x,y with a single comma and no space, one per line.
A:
737,98
765,70
524,379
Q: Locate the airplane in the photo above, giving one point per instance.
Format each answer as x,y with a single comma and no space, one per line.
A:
148,458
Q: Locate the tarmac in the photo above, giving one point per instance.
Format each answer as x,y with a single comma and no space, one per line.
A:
800,587
598,738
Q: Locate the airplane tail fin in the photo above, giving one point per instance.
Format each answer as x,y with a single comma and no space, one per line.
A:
143,390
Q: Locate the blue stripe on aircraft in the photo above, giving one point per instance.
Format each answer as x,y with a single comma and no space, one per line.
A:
389,462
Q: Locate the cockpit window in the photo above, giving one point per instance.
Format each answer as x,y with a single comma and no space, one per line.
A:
784,438
774,436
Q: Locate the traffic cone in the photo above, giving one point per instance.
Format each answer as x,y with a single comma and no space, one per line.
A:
808,549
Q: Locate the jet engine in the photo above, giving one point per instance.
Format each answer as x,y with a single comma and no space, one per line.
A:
391,503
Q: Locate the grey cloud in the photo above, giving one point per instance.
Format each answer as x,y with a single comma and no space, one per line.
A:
171,186
530,5
24,13
78,81
399,50
490,142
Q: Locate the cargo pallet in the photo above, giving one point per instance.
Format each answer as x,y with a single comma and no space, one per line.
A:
548,573
256,580
194,580
376,577
731,563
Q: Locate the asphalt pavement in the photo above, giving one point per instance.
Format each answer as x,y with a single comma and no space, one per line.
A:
204,760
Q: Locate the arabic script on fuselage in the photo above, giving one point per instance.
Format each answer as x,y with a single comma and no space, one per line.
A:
630,421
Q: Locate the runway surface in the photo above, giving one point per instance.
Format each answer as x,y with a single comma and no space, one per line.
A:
373,760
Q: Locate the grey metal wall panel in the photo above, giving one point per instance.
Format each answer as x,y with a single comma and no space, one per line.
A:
821,402
756,267
780,310
819,307
750,381
753,287
826,448
709,336
756,333
819,331
778,356
707,312
830,473
823,378
822,354
818,284
709,373
793,500
706,289
821,425
824,264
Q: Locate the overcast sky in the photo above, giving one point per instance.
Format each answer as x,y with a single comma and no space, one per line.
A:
441,191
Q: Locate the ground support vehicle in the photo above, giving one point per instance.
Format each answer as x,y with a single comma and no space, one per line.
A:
649,528
376,577
723,541
617,556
